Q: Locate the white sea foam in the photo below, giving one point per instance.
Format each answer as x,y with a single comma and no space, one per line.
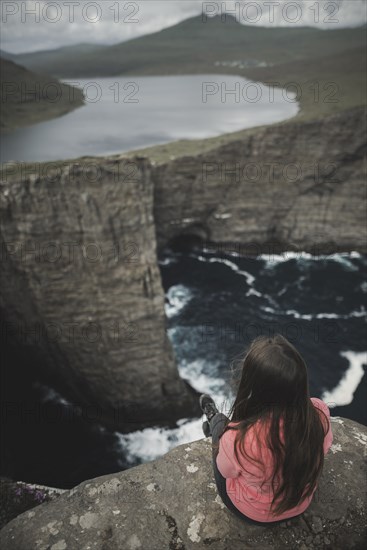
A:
292,312
234,267
167,261
343,393
250,279
152,443
358,313
178,296
254,292
194,373
228,252
309,316
285,257
341,257
49,394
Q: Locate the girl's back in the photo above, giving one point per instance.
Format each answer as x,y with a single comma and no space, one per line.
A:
249,483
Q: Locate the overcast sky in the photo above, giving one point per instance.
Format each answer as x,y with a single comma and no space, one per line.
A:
59,23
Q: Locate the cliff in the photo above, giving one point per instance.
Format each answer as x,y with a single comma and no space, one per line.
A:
81,288
80,285
292,186
172,503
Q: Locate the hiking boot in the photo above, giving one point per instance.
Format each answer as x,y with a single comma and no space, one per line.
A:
206,429
208,406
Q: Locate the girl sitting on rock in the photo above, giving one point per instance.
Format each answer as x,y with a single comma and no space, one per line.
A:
269,454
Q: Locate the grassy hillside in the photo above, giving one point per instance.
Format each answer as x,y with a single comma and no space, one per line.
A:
28,98
48,61
7,55
332,83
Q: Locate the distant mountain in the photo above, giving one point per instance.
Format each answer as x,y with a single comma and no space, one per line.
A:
28,98
7,55
195,46
43,60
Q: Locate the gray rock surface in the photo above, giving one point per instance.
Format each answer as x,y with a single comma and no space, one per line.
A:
81,287
299,184
172,503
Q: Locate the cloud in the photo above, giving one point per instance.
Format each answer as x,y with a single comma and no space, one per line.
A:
36,25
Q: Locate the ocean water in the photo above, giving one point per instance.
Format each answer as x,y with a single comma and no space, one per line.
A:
215,305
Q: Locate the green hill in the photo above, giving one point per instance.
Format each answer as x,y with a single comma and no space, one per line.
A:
28,98
49,60
8,55
194,46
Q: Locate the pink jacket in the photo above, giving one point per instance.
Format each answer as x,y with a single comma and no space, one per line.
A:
244,488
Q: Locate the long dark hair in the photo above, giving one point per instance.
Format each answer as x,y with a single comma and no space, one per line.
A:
273,385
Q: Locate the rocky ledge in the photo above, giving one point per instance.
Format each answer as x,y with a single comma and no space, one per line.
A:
172,503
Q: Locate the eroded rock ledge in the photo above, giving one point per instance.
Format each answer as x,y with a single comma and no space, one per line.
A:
172,503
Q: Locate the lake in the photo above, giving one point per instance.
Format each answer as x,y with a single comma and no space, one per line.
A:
122,114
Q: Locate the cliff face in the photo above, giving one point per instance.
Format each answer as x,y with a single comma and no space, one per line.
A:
300,185
81,288
173,503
